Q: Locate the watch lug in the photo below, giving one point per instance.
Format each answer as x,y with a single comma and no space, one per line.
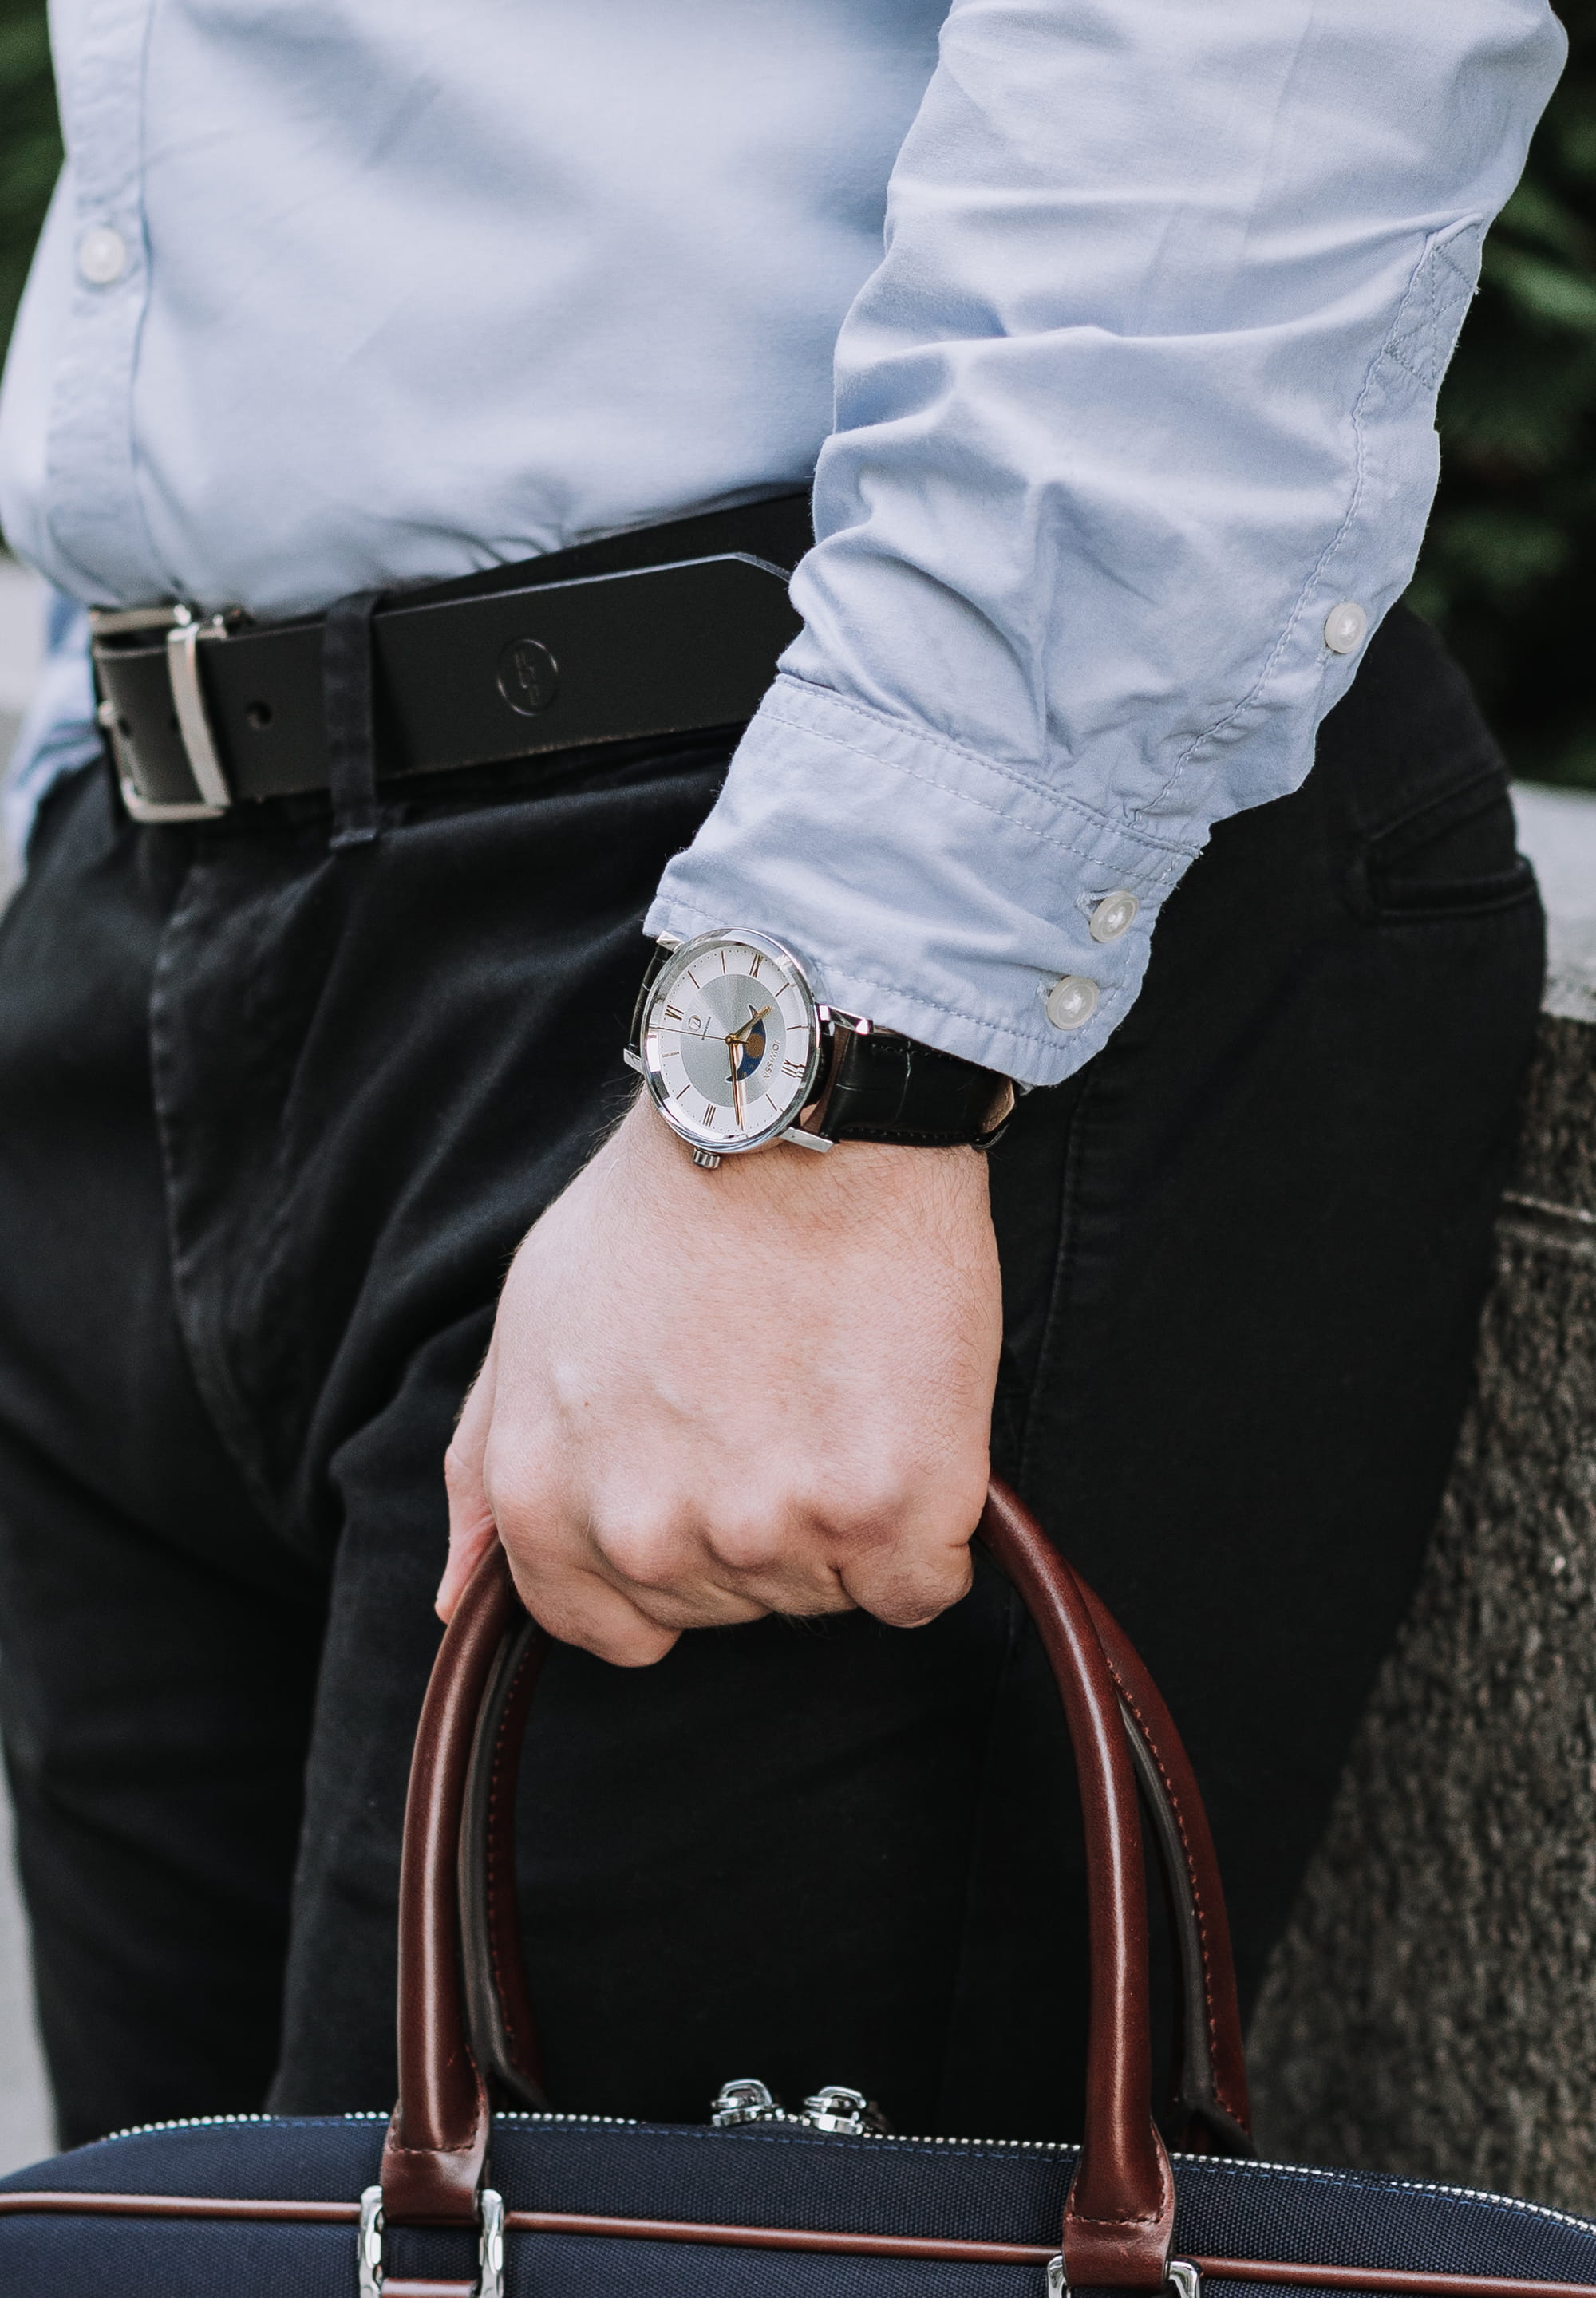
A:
633,1060
802,1140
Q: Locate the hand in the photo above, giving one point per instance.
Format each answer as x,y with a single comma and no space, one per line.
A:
841,1313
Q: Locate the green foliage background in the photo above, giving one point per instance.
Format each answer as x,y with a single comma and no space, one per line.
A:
29,144
1508,570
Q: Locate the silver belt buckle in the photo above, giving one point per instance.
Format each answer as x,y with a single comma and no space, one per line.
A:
183,631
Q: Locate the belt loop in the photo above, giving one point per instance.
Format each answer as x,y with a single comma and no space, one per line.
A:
348,714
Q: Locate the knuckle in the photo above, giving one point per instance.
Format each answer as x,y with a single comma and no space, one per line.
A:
527,1482
653,1552
872,1510
904,1497
755,1543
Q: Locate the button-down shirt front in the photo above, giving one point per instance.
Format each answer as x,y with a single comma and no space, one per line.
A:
1131,442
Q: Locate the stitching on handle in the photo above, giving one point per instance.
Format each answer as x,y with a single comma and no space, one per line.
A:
496,1840
1197,1890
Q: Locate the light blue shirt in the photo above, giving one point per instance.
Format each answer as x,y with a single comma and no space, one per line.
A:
336,292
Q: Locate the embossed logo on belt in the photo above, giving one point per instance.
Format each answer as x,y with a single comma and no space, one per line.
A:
528,676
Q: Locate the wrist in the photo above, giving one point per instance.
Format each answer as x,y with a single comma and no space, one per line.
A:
739,1052
793,1187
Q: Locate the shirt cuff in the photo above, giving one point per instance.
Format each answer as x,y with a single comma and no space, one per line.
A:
924,886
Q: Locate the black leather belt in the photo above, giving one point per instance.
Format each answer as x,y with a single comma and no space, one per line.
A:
668,630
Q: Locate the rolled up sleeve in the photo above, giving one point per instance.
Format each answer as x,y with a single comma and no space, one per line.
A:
1141,394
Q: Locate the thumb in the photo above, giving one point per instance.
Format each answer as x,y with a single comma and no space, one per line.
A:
472,1530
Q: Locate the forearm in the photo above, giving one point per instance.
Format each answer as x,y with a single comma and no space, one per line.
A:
1143,389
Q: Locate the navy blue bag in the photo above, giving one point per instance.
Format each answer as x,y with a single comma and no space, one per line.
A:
445,2199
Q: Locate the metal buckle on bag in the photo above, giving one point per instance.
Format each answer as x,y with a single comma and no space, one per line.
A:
1183,2281
490,2254
183,631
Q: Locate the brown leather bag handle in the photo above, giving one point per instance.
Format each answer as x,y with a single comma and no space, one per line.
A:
1208,2108
1209,2112
437,2147
1120,2213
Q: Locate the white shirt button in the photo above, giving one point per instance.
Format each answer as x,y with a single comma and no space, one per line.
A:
1344,627
102,255
1071,1002
1112,915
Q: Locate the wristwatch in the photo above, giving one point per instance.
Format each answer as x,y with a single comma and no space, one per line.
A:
737,1051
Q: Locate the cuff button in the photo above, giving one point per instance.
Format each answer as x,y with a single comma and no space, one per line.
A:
1071,1002
1112,915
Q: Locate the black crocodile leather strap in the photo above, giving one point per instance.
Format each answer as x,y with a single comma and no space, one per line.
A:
887,1088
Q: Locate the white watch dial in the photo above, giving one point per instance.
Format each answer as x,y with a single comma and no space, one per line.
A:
730,1041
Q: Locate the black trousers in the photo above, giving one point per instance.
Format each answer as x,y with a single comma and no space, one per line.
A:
272,1119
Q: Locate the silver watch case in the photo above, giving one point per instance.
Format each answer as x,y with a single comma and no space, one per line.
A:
710,1147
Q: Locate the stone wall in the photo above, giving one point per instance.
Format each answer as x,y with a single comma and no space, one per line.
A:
1432,2008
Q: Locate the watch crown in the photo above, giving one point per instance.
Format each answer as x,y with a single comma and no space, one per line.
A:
707,1158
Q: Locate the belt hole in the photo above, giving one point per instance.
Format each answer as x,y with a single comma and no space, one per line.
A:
259,714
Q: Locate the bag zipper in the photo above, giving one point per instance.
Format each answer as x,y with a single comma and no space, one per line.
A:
836,2108
909,2139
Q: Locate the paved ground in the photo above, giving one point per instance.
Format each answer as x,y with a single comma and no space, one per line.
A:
1556,828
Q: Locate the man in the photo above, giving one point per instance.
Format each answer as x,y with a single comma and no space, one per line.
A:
1129,459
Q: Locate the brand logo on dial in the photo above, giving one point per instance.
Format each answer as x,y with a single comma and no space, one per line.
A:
528,676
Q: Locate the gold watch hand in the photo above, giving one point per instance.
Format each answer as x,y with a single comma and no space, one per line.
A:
747,1028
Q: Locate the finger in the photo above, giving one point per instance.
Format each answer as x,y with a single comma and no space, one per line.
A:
705,1563
662,1562
563,1577
471,1526
702,1606
776,1559
909,1582
470,1540
579,1608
